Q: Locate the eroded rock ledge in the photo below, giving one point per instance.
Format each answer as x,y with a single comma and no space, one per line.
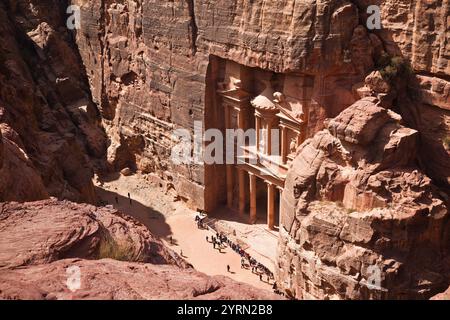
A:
39,241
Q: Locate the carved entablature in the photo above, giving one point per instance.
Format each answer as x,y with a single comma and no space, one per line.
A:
291,108
235,101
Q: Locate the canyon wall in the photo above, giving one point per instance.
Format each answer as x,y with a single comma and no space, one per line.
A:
359,219
138,69
148,64
49,126
151,66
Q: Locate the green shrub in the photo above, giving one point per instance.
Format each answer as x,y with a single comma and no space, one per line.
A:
446,142
111,249
393,67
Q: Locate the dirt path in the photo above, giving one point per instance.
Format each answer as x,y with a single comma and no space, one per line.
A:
168,218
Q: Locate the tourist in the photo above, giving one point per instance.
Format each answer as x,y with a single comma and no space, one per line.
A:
228,268
260,277
129,197
207,239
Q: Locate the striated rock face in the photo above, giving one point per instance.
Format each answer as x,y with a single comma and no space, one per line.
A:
50,126
149,79
138,69
115,280
358,219
40,241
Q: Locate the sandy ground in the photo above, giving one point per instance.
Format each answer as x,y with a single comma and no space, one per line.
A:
167,219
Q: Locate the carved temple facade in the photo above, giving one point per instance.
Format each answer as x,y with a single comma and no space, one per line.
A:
272,110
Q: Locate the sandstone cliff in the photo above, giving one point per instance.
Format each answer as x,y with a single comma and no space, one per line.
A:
354,203
49,125
149,65
141,68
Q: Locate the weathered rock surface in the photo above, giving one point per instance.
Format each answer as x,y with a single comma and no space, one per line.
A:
354,203
149,79
142,68
49,124
116,280
39,241
45,231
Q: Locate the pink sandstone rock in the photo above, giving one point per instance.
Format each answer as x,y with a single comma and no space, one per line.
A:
354,200
117,280
45,231
41,241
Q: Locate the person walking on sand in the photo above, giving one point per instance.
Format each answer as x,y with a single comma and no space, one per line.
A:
129,197
228,268
260,277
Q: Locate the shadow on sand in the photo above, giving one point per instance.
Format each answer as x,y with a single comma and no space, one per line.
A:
154,220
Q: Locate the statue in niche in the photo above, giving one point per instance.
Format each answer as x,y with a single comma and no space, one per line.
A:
262,140
290,106
293,146
231,84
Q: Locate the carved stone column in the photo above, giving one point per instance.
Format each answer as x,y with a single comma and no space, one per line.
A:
252,198
229,167
258,133
270,206
241,174
284,145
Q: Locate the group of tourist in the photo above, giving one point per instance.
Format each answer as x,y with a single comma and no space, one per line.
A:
221,241
200,224
129,199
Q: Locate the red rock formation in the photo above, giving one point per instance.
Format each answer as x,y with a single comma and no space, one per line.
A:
48,121
45,231
148,79
45,238
149,67
442,296
354,200
116,280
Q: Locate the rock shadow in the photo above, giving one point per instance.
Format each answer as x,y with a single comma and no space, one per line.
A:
154,220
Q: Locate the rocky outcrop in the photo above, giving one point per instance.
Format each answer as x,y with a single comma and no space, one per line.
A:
118,258
20,179
49,124
45,231
116,280
358,219
442,296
